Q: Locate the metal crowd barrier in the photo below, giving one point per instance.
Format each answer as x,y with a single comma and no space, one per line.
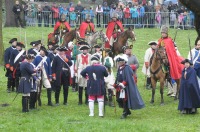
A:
146,20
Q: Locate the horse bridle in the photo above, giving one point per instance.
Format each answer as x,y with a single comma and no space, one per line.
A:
159,57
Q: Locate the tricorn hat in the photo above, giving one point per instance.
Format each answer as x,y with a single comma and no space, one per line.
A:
12,40
121,57
20,44
34,43
84,47
153,43
83,43
164,29
96,46
95,57
62,48
39,42
188,61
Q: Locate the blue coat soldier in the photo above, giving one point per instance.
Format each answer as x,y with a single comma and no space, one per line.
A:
26,81
95,83
127,94
35,49
61,73
189,96
51,56
43,62
17,56
7,54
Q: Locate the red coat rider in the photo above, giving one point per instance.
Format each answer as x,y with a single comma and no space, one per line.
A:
113,29
62,26
86,27
174,60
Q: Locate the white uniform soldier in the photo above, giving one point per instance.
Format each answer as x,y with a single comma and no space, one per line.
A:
146,67
110,79
82,61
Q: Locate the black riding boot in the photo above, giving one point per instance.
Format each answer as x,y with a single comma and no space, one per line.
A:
23,103
25,100
65,93
86,97
80,95
57,94
13,84
49,97
32,100
110,95
9,84
126,111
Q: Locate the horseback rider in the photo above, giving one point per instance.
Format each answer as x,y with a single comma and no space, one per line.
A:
114,28
61,27
86,27
174,65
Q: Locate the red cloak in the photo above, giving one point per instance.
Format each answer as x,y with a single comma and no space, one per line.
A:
83,28
58,24
110,28
174,60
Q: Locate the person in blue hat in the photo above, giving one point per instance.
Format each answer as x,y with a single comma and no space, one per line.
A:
189,94
7,54
35,48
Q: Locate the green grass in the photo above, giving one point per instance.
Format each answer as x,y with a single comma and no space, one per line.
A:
153,118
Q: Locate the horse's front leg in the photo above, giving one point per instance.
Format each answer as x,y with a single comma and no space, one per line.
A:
161,91
153,83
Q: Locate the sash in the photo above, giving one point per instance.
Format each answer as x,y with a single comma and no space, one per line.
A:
63,61
196,56
41,62
36,51
19,55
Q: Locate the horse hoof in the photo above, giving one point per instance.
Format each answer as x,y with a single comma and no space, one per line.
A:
161,104
151,102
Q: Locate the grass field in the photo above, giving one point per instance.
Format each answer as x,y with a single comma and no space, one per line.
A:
153,118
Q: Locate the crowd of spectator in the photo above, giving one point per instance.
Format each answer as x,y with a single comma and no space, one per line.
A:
138,14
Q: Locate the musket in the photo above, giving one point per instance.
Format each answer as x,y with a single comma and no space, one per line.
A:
190,48
25,41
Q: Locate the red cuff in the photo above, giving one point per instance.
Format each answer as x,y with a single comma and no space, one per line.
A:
66,60
7,66
53,75
125,83
133,67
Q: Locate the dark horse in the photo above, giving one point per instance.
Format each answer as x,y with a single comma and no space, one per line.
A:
122,41
158,61
194,5
69,36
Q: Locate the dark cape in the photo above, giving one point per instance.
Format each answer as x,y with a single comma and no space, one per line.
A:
134,99
189,95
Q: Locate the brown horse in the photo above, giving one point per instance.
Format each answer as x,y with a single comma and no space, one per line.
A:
69,36
122,41
158,61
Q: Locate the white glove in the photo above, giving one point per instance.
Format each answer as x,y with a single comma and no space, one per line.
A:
64,31
121,85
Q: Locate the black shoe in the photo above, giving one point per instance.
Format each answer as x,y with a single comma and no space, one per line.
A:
124,115
64,103
128,112
57,104
8,90
50,104
80,103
